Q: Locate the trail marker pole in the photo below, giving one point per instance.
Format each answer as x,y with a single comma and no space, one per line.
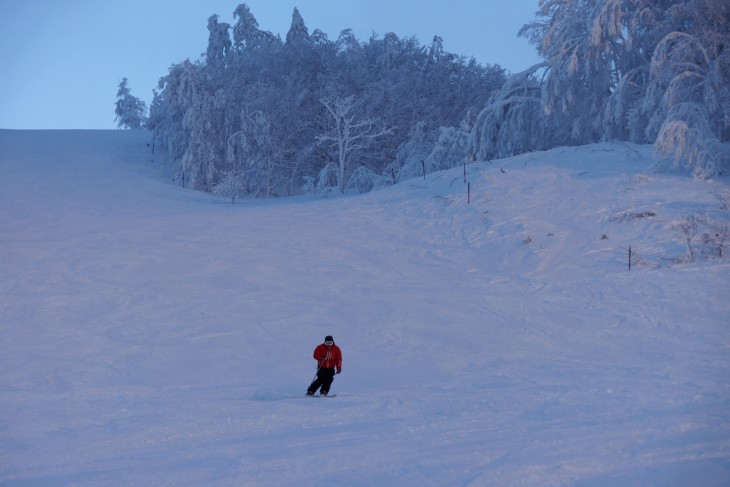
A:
629,258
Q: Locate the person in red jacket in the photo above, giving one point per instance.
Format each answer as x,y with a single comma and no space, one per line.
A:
329,362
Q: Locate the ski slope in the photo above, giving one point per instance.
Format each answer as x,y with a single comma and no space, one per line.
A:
152,335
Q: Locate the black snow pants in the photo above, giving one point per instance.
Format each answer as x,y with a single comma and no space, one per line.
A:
324,380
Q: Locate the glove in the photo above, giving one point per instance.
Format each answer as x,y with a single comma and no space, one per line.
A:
338,372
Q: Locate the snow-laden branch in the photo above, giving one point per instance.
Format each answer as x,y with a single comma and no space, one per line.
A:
349,134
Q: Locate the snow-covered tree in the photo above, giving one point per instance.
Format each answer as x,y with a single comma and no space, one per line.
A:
232,186
685,142
253,147
568,89
718,235
326,184
131,112
692,113
253,106
172,100
298,32
246,32
200,160
410,157
512,122
349,133
219,42
449,150
363,180
650,71
347,42
589,46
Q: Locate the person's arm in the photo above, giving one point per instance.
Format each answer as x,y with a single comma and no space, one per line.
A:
319,355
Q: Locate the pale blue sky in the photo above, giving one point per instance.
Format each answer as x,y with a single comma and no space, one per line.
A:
62,60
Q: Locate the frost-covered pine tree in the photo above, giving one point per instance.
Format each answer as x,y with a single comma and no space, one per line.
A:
246,32
199,165
203,158
298,32
174,97
131,112
219,42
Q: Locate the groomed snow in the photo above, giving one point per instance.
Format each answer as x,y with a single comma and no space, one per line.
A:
152,335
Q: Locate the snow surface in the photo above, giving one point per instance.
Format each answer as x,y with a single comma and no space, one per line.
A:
153,335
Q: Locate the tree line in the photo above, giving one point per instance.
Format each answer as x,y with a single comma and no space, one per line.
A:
278,115
646,71
259,116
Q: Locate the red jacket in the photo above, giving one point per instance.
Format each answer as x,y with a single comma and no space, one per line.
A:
328,357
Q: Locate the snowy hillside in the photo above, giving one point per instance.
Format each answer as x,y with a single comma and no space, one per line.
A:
152,335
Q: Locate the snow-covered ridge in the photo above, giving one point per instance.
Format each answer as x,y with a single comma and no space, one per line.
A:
160,336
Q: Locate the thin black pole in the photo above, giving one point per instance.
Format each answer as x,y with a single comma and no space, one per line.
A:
629,258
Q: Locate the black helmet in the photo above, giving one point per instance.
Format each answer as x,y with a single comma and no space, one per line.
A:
329,338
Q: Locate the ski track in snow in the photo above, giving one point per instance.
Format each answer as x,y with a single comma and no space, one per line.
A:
157,336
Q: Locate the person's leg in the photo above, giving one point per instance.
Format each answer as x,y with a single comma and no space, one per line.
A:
315,384
328,375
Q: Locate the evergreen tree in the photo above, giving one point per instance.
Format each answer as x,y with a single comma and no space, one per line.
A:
298,32
219,42
246,33
131,112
